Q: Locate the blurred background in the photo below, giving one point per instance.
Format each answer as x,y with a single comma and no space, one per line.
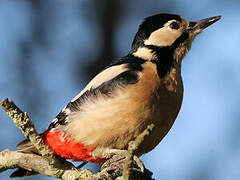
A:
49,50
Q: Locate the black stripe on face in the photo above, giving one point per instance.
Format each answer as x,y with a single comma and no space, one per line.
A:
165,55
165,60
181,39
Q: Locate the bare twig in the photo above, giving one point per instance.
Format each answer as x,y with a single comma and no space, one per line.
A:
23,122
132,147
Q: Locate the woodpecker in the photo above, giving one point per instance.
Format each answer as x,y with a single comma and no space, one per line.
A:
139,89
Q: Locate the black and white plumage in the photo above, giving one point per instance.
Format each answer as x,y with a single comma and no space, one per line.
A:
141,88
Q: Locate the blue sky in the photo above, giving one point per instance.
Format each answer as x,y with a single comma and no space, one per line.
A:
203,142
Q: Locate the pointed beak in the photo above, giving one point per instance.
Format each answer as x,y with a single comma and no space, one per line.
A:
198,26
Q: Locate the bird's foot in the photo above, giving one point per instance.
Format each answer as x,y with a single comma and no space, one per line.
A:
118,161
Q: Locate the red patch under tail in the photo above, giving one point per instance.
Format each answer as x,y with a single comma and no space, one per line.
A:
68,149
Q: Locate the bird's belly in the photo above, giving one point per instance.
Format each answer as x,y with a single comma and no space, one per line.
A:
164,112
161,110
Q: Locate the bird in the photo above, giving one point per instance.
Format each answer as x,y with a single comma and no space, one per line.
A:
141,88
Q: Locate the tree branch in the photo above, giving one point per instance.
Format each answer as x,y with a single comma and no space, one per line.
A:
132,147
23,122
47,163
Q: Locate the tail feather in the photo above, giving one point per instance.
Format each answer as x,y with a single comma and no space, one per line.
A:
24,144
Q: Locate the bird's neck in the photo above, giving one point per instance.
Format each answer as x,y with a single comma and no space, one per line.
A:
163,57
156,53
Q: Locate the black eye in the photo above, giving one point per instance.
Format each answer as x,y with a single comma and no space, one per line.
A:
174,25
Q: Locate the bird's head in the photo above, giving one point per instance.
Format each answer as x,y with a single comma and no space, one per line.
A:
164,35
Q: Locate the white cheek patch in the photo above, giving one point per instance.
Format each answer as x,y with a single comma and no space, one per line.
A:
164,36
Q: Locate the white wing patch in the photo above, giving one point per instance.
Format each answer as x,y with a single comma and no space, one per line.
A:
102,77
